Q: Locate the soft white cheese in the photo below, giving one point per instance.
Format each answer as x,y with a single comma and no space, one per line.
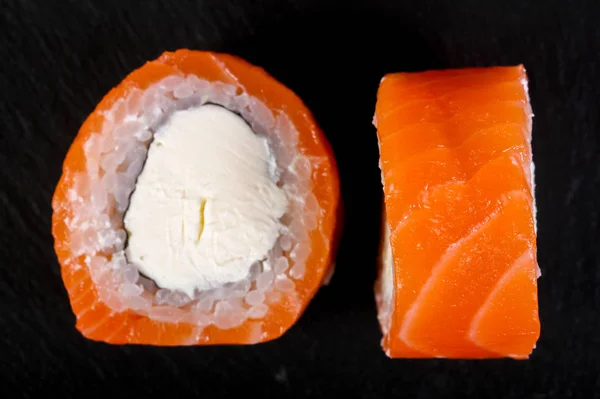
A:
205,206
387,264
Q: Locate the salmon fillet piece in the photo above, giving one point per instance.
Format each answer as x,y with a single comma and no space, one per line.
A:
458,269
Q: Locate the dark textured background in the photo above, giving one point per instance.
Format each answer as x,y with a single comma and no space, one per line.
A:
60,57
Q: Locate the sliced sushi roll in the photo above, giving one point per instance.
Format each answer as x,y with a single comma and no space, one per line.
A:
198,205
458,267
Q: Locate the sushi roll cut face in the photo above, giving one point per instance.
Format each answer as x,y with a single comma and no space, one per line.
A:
196,206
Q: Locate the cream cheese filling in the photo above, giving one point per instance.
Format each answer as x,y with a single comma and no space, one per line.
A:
205,206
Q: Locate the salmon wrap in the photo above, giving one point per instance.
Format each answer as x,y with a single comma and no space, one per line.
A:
458,269
197,205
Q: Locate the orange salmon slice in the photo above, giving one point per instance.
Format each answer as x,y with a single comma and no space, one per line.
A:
458,272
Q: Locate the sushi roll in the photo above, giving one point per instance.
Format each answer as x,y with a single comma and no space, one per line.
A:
198,205
458,268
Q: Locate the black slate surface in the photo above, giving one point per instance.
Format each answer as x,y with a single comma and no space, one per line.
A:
60,57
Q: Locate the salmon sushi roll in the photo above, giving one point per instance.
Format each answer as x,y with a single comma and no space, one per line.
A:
458,272
198,205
